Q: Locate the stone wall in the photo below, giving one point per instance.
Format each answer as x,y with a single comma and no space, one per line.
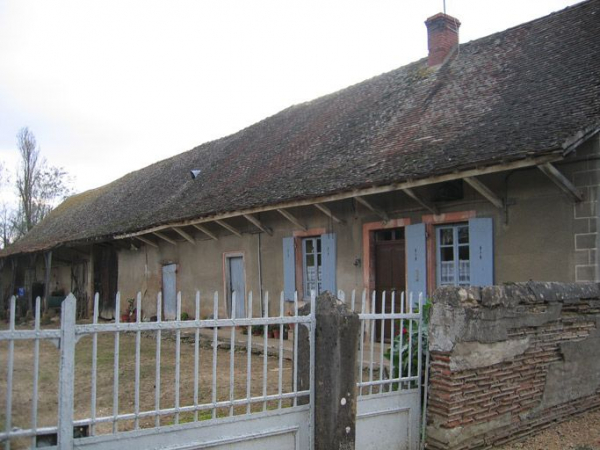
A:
508,361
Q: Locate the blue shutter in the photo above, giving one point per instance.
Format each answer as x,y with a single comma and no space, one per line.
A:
328,263
416,260
481,251
289,269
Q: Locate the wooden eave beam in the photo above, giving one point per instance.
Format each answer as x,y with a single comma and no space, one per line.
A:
503,167
258,224
209,233
328,212
165,238
289,216
428,206
184,235
147,241
381,213
485,191
561,181
229,227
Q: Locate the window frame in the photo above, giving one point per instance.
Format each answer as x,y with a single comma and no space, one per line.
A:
318,259
456,246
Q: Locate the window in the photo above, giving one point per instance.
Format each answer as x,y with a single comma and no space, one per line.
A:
309,263
312,265
453,255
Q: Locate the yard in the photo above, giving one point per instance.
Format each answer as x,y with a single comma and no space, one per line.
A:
48,379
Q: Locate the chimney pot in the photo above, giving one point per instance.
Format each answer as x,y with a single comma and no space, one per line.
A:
442,37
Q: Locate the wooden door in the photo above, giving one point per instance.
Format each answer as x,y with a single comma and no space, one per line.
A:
390,276
236,283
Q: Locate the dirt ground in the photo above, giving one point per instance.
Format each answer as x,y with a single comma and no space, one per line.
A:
580,433
223,381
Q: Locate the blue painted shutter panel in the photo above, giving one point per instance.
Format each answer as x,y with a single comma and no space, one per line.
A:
481,251
289,269
328,263
416,260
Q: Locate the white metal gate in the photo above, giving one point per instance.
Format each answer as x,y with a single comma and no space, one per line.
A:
389,384
219,414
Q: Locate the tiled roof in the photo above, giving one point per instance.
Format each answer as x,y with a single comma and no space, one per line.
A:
518,93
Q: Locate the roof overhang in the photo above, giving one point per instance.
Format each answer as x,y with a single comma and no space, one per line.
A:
355,193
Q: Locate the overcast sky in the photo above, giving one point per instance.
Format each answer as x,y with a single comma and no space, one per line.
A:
110,86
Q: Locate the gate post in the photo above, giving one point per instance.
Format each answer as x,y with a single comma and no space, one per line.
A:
336,348
66,380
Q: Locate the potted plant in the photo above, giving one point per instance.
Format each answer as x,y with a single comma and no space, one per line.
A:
276,331
257,330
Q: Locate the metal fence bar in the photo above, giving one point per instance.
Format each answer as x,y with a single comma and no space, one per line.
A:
410,335
116,366
10,369
36,370
295,366
136,401
66,380
312,337
362,339
372,348
232,354
265,372
196,356
95,313
392,339
157,360
381,336
249,359
177,359
214,358
280,347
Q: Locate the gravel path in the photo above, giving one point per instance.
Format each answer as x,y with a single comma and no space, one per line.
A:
579,433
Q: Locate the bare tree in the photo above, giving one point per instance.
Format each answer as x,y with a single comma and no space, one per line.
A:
39,186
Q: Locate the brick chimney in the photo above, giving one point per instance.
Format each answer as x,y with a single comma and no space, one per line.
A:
442,37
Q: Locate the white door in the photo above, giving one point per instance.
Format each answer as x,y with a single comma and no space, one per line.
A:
236,283
169,275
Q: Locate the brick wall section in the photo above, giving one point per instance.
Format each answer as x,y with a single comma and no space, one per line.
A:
509,361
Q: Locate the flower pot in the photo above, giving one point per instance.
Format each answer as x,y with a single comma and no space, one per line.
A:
276,334
124,317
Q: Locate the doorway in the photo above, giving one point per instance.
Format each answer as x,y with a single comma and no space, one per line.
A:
235,282
390,275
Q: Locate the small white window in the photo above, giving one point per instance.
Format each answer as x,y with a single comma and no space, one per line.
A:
311,265
453,259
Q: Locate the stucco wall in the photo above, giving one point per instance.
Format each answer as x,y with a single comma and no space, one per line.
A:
507,360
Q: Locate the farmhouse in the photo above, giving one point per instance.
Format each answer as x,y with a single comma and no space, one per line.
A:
476,165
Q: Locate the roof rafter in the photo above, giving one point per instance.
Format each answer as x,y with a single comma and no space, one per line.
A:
289,216
229,227
513,165
485,191
147,241
184,235
209,233
380,212
428,206
258,224
328,212
561,181
165,238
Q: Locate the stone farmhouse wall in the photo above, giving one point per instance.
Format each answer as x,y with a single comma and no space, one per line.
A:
508,361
